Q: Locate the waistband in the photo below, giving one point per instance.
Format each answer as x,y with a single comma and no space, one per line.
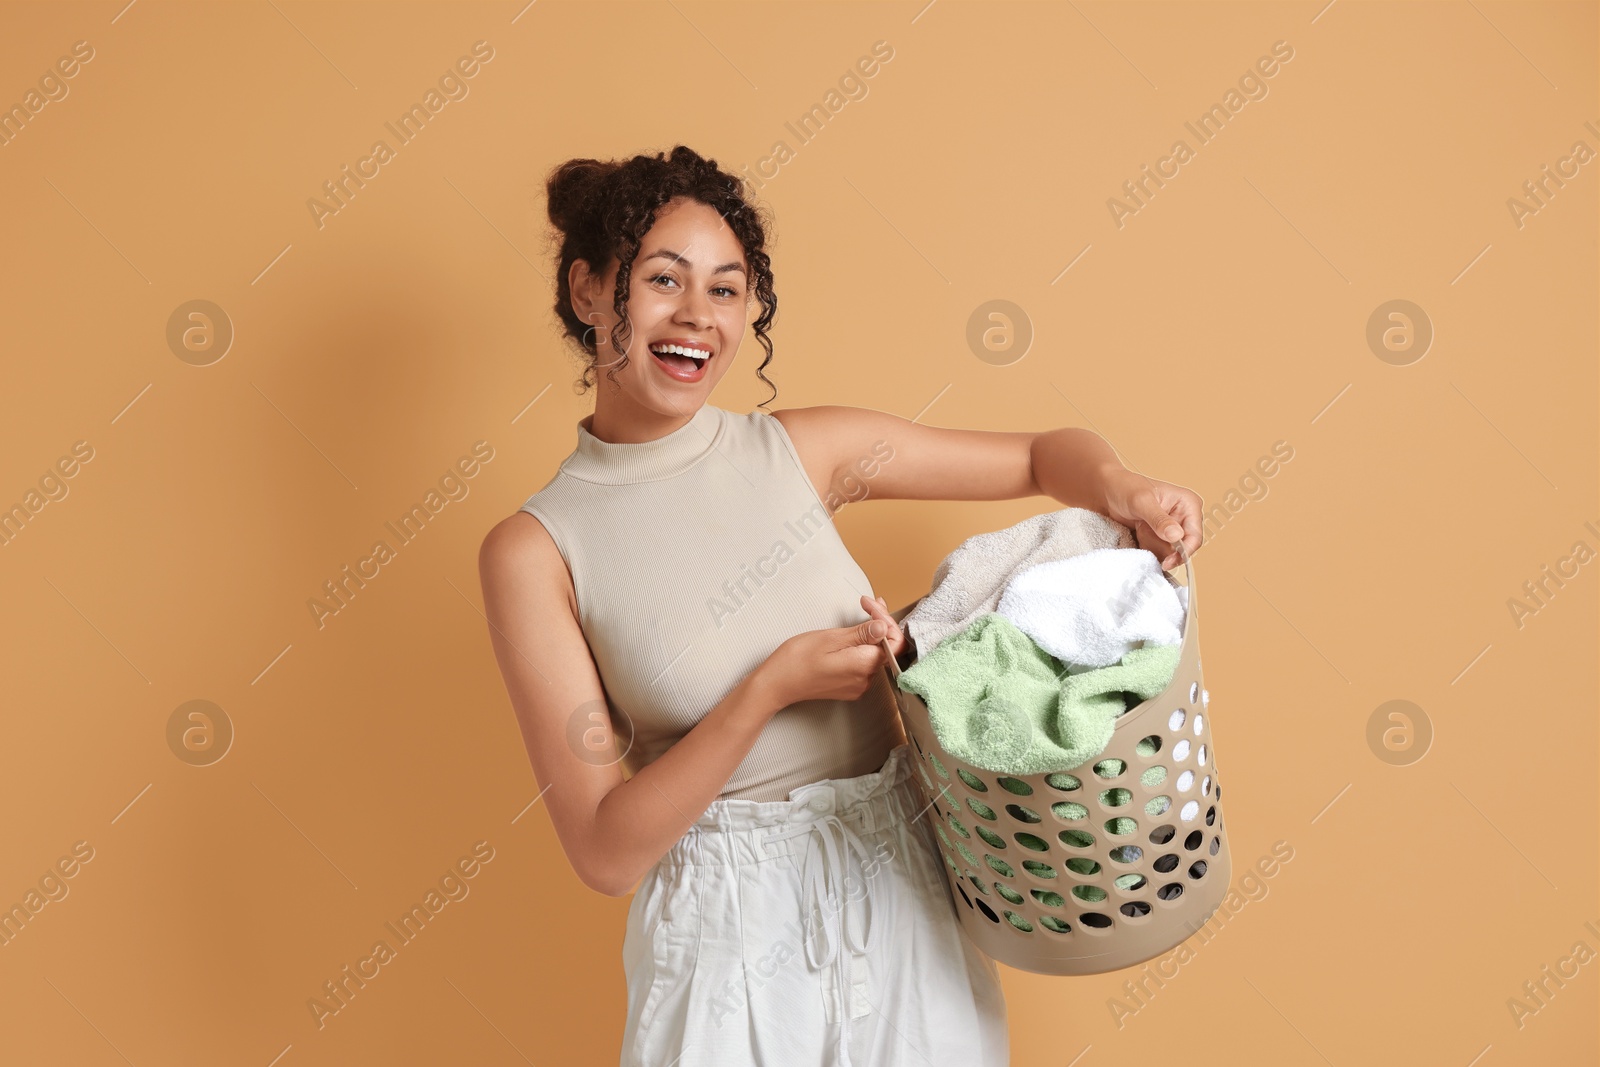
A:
741,831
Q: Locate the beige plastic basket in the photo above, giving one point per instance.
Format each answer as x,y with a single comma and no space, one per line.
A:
1089,869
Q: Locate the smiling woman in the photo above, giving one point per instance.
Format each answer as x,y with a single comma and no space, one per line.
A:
765,757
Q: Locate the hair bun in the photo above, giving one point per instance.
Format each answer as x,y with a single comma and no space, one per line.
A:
570,190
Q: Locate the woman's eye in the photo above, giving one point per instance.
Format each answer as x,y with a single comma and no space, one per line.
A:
728,292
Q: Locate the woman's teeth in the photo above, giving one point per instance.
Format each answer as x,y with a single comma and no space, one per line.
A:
679,353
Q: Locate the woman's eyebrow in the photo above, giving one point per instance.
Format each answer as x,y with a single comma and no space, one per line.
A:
677,257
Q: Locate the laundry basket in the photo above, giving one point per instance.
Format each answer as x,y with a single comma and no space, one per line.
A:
1089,869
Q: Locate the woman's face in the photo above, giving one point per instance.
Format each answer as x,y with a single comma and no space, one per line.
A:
688,293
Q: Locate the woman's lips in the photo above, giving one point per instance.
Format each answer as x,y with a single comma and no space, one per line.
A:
681,368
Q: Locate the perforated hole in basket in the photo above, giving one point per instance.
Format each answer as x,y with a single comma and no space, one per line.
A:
999,866
1069,810
1010,894
1115,798
992,839
1040,869
1049,898
1148,746
1064,782
1077,838
1153,776
973,781
1022,814
1031,842
1110,768
1015,785
1157,805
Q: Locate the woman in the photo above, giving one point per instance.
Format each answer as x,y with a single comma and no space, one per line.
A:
678,593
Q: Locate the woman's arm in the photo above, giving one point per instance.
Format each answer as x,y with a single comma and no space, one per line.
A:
612,830
843,451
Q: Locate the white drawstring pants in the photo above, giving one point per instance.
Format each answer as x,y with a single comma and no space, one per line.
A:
812,932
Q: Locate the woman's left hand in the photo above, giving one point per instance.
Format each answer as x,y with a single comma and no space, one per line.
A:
1158,512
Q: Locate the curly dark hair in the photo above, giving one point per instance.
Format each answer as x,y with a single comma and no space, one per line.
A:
603,209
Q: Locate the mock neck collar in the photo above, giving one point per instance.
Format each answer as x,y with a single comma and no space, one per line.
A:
595,460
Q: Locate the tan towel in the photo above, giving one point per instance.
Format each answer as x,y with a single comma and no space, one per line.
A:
970,580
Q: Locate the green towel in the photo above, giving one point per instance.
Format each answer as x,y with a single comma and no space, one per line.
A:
1000,702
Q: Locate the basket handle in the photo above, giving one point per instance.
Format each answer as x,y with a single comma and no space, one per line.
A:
893,668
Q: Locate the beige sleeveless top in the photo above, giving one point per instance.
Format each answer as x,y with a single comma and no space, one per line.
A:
693,557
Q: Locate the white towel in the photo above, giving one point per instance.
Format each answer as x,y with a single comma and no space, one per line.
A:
1090,610
970,580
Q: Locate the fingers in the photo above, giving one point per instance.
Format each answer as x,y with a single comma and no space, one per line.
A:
880,612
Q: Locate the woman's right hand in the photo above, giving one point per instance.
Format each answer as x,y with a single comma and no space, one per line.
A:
833,664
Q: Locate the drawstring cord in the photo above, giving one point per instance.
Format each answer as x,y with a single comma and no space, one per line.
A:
834,849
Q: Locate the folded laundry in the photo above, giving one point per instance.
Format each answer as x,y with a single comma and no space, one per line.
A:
998,701
971,579
1089,610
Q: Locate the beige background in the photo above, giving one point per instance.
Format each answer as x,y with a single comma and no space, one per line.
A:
1228,314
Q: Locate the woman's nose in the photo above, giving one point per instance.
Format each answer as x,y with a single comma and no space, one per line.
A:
694,308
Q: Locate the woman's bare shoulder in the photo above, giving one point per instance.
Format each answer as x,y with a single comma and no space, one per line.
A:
518,555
